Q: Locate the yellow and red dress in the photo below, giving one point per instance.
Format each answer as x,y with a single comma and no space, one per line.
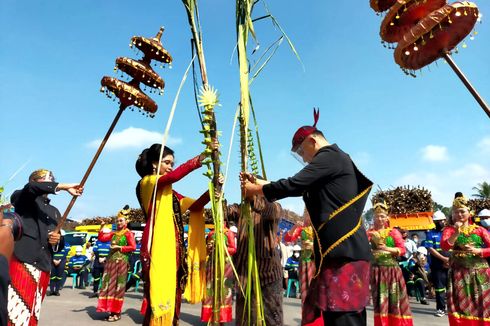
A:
468,295
111,295
388,288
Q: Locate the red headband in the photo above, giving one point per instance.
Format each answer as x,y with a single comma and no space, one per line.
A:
303,132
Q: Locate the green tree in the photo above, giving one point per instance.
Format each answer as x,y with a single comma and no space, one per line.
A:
439,207
483,190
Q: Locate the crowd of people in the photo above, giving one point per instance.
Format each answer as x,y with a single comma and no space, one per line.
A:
329,260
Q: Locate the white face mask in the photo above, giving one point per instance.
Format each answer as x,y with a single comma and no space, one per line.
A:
485,222
296,254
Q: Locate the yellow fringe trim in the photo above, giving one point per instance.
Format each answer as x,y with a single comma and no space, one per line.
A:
395,316
458,315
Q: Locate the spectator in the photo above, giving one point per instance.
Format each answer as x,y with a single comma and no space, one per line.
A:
58,274
439,262
101,251
292,267
417,265
79,265
410,245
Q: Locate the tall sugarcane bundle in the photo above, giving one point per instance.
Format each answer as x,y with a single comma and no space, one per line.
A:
405,199
479,204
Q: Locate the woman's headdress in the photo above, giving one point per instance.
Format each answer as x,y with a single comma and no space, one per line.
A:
381,207
124,212
460,201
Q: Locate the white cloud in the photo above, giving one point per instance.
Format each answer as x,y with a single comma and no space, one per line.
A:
133,138
484,145
434,153
443,184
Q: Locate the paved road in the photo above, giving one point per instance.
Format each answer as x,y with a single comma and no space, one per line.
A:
74,307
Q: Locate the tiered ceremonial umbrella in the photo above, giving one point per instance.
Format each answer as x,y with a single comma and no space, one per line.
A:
427,30
129,94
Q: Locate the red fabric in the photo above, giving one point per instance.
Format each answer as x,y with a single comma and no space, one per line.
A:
461,321
111,297
391,321
293,237
231,243
448,231
340,286
179,172
399,242
300,135
107,237
200,202
26,289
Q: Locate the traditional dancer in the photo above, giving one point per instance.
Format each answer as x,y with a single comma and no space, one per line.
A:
334,192
265,218
111,296
31,263
389,291
163,237
469,273
307,265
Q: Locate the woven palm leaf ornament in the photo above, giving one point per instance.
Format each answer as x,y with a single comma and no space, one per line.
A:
423,31
129,94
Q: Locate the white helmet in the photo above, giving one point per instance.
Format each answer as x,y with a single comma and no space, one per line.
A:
438,216
78,249
484,213
422,250
296,248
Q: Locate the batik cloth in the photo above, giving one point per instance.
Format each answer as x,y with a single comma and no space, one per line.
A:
25,293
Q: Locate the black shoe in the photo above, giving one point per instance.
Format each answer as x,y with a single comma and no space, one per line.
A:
94,295
49,293
56,294
424,301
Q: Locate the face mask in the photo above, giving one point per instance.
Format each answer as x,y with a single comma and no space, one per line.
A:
296,254
485,222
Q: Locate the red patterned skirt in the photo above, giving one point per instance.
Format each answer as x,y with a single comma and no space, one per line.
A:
341,286
111,295
306,272
226,306
468,296
26,293
390,299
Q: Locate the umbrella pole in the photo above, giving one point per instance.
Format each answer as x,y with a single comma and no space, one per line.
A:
466,82
91,166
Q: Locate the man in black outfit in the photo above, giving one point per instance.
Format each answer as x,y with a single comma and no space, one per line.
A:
31,263
335,193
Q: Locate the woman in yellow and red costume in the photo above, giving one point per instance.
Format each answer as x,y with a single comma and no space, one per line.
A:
111,296
388,288
163,254
468,293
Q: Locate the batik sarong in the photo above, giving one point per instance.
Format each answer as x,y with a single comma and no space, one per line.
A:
26,293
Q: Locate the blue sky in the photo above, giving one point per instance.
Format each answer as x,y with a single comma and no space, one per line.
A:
425,131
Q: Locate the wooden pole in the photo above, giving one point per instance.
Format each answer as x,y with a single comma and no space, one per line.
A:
467,83
91,166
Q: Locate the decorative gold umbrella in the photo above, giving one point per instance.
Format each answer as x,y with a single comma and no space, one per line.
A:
129,94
